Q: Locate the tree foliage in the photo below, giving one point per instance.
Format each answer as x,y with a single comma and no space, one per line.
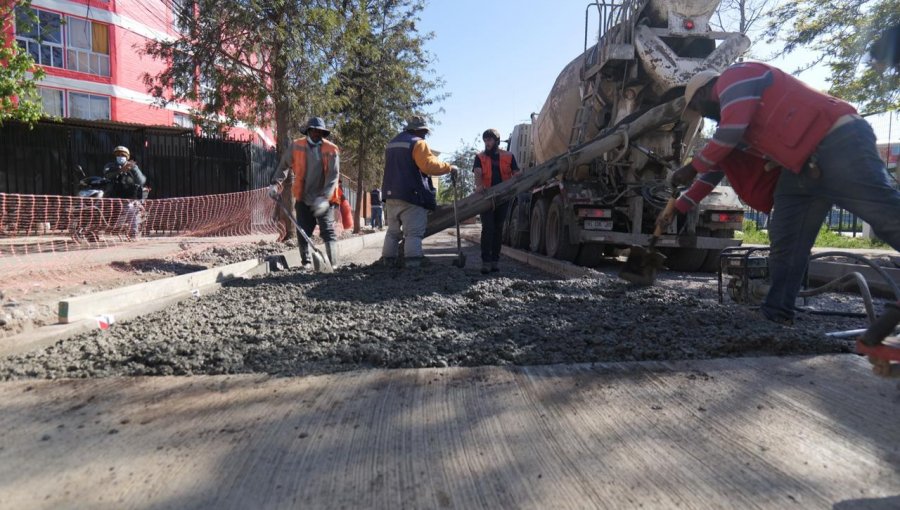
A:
19,96
251,61
383,79
840,33
463,157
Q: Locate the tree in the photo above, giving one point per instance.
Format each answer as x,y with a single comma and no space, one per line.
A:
463,157
19,96
249,61
744,16
384,78
841,33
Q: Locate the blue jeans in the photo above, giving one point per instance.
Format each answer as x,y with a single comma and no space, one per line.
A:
492,232
376,217
854,178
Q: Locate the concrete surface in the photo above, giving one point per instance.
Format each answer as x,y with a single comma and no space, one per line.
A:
742,433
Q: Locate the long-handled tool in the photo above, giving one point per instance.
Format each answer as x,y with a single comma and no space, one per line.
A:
460,260
643,264
321,263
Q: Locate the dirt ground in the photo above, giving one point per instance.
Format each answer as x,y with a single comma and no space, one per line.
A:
368,316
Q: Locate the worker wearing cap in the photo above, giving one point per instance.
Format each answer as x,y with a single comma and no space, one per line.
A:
492,167
408,192
799,150
315,163
127,180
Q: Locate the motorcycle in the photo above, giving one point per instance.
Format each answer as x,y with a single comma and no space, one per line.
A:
90,219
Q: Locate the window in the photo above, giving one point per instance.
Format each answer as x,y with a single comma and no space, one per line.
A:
87,106
184,120
88,47
52,102
43,40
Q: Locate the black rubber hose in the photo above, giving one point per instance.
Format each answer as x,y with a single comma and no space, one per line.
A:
859,258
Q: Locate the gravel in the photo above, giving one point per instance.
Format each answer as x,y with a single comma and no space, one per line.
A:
296,323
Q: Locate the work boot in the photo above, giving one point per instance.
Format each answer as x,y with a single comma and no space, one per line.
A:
331,250
495,267
387,262
485,267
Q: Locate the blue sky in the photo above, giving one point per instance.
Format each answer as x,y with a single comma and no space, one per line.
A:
499,59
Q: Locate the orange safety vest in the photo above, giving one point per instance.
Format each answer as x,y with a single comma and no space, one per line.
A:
487,167
329,154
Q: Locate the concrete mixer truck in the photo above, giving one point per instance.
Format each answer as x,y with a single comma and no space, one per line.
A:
646,52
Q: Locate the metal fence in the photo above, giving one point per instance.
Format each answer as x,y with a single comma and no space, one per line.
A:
44,160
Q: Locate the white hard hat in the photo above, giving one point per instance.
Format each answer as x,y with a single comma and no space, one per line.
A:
696,83
320,206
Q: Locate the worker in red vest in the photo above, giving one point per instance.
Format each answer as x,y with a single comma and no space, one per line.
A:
315,163
796,149
492,167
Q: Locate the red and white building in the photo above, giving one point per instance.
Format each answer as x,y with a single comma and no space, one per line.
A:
90,50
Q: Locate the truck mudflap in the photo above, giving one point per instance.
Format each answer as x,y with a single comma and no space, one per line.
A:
666,241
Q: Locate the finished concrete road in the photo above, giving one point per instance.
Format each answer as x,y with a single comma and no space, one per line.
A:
734,433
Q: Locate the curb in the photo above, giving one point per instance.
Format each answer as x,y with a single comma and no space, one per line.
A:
80,314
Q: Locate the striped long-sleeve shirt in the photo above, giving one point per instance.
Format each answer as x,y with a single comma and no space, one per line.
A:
739,90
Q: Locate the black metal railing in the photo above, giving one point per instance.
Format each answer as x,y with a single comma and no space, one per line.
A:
44,159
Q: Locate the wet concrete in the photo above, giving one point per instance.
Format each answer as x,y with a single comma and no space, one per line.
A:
366,316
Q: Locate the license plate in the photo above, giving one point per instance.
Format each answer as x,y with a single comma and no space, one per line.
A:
598,225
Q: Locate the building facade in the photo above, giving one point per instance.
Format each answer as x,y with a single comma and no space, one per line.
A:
91,52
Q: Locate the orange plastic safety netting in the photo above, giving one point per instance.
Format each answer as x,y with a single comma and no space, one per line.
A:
51,237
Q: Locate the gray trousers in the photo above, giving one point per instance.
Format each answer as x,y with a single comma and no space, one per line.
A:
405,221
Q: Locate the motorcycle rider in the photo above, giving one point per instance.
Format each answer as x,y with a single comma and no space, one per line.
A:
125,177
126,181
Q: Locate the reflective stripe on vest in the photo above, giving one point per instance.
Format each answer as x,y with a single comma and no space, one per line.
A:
487,167
329,152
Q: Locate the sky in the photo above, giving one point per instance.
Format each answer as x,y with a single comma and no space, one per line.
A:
499,59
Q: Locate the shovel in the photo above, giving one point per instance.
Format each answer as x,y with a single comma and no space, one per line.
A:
460,260
643,264
320,261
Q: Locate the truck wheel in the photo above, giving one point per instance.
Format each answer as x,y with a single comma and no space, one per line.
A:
557,240
537,242
518,234
591,255
688,260
711,264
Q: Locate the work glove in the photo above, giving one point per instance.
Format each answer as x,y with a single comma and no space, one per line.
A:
274,191
454,172
683,176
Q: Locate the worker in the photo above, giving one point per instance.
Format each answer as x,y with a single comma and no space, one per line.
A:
125,177
409,193
492,167
376,221
799,150
315,163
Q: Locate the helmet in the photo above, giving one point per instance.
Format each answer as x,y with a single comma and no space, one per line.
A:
696,83
491,133
122,148
320,206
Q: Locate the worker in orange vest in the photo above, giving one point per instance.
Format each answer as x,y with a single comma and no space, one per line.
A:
315,163
492,167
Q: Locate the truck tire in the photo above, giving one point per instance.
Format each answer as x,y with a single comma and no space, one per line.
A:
711,264
687,260
537,242
557,235
518,238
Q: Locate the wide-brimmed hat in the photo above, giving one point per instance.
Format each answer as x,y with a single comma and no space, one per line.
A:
696,83
316,123
417,123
